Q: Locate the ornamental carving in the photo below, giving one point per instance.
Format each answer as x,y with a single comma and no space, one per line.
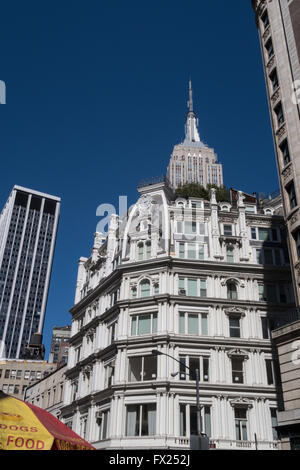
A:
238,352
241,403
294,219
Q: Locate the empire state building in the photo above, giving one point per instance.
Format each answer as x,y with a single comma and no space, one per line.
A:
193,161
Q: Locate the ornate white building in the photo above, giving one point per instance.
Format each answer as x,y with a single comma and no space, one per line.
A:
201,282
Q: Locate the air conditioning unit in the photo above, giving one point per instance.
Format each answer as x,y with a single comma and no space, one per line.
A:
182,292
98,414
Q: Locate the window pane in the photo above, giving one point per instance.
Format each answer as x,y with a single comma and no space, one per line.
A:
265,328
133,325
191,254
135,369
227,229
203,288
150,368
229,255
181,250
207,421
154,323
192,287
263,234
133,419
182,323
204,325
193,327
145,289
182,420
194,364
253,233
234,327
201,252
148,420
190,228
144,324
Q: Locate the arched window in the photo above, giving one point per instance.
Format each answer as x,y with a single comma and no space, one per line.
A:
231,291
145,288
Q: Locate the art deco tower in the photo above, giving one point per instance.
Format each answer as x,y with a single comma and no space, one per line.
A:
192,161
278,23
28,225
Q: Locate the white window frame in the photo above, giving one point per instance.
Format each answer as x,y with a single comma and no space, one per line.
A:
200,315
138,317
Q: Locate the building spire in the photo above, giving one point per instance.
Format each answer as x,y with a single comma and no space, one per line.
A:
191,130
191,97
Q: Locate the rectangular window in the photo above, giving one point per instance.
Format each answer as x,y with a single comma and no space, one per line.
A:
285,153
279,114
143,324
191,251
269,369
274,423
203,291
228,230
103,425
230,254
253,233
192,287
274,80
234,327
141,420
265,327
142,368
204,325
296,237
263,234
190,228
292,195
237,364
241,424
190,410
265,20
269,49
259,256
193,324
189,365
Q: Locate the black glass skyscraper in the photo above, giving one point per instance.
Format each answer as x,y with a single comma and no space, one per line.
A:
28,227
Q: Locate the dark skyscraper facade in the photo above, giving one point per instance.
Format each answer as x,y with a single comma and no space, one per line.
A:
28,227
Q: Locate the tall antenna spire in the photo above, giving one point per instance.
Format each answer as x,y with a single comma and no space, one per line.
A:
191,130
191,106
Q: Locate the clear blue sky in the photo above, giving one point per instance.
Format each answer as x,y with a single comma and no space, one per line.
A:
96,100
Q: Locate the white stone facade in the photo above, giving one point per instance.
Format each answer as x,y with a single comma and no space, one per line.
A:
185,278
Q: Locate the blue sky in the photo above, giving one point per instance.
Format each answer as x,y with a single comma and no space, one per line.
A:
96,100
